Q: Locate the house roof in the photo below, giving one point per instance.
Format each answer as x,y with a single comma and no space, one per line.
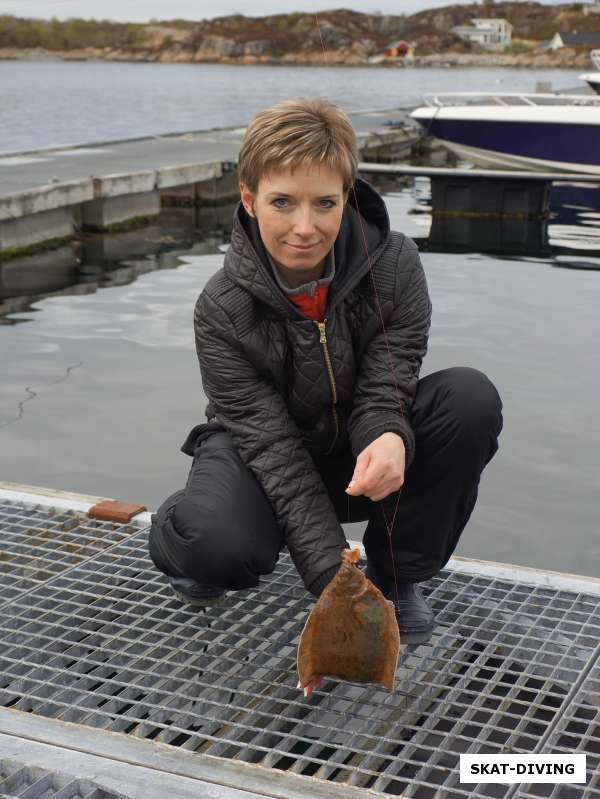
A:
580,38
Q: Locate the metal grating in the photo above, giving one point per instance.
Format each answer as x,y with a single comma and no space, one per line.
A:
106,645
19,781
578,730
38,543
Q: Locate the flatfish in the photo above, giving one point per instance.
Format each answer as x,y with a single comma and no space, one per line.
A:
351,633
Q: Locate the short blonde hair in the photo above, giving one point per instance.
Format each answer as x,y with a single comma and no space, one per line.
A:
297,132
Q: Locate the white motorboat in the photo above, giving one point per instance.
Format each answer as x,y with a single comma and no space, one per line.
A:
523,131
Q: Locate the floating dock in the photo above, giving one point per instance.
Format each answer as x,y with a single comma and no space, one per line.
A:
109,687
49,197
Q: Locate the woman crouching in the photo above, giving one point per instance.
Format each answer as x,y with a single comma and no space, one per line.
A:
310,340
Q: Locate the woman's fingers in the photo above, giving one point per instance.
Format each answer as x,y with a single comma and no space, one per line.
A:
384,490
356,485
368,479
379,468
376,483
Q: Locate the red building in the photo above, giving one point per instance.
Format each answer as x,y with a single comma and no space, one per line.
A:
399,49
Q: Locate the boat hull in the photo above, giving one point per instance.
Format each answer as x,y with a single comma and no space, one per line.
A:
490,158
593,80
492,137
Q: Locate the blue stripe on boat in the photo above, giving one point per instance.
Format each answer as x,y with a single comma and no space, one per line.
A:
571,144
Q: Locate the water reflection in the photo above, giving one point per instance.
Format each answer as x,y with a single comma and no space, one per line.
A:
103,260
498,236
571,229
99,392
569,238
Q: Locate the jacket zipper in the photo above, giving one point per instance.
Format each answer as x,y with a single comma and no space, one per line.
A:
334,394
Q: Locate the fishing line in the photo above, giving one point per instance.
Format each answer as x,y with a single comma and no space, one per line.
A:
390,525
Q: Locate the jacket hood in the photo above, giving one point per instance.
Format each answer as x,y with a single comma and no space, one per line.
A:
365,221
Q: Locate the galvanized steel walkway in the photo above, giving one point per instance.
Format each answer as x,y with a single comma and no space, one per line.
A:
107,680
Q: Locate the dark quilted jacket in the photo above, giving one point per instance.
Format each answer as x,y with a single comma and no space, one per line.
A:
284,393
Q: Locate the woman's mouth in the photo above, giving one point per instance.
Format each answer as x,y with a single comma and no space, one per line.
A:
303,247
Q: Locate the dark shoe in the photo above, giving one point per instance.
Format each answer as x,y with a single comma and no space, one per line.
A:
195,594
414,616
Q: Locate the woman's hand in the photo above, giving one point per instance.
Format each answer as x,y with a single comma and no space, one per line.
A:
379,469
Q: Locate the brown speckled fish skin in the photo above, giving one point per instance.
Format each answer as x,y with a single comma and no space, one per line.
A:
351,633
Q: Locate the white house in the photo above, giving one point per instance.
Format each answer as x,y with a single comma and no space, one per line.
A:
592,8
491,34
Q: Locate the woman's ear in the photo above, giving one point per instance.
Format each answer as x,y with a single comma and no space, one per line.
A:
247,199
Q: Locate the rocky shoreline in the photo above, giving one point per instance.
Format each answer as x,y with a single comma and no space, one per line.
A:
349,38
558,59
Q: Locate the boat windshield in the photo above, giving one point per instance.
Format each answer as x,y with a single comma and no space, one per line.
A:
509,99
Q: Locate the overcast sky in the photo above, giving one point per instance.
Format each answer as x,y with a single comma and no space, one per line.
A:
144,10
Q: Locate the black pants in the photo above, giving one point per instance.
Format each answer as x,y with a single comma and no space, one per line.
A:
221,529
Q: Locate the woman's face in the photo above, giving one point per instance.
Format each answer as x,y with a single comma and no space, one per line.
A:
299,215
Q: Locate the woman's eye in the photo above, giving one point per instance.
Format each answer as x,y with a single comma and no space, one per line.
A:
328,203
280,202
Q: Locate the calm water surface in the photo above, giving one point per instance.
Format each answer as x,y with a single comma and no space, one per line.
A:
54,103
99,391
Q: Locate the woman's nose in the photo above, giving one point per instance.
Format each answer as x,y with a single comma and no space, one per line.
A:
304,224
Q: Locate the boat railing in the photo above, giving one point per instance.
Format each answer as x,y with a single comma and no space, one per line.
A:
508,99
